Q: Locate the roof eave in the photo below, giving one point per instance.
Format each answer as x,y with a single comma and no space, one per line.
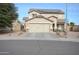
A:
47,12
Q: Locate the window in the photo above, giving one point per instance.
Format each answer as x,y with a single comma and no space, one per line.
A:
34,15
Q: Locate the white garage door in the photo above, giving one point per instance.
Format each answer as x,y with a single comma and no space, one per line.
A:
39,27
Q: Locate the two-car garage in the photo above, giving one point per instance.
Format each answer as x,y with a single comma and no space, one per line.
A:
39,27
38,24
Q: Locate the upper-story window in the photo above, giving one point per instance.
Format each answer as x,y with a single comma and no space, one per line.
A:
34,15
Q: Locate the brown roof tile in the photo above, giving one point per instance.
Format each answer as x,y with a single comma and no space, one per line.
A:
47,11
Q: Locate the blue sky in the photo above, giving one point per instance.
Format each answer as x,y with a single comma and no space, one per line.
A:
72,9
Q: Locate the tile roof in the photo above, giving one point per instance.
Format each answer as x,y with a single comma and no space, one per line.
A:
49,11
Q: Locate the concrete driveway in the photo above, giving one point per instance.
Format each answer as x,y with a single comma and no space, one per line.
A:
74,37
29,36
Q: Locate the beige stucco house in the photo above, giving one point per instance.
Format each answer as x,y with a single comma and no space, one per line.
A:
44,20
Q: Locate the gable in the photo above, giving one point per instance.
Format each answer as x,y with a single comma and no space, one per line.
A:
34,12
53,18
38,20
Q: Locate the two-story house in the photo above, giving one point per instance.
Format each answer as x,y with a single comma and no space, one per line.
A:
44,20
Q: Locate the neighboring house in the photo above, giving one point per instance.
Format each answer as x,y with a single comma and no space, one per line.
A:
76,28
44,20
16,26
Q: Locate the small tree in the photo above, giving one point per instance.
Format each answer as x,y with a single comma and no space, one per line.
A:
71,26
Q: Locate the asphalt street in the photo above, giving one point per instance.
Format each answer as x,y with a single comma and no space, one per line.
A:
38,47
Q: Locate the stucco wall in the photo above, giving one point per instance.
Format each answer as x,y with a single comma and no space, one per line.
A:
38,21
60,16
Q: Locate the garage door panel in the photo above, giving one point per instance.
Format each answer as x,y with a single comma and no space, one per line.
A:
39,28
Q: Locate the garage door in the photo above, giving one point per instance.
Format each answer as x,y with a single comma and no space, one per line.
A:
39,27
